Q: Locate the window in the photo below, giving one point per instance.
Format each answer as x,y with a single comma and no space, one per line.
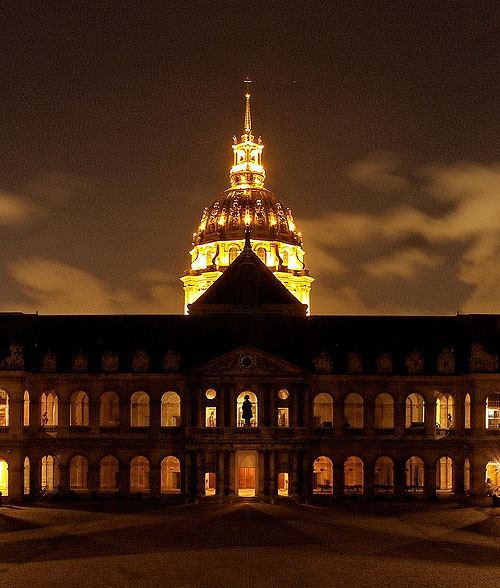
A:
415,409
109,470
384,411
210,416
4,478
283,484
233,254
466,475
444,474
210,394
353,411
4,409
139,475
414,474
261,254
170,410
467,411
493,411
384,475
247,410
170,475
26,476
79,409
139,410
78,473
283,420
26,409
323,410
49,473
285,258
323,475
492,478
210,483
49,409
109,412
445,411
353,475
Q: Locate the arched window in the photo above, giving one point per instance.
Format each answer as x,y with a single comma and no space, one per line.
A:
109,469
444,474
233,254
466,475
353,475
79,409
285,258
4,409
384,411
261,254
26,476
139,474
49,409
4,478
414,474
170,475
26,409
384,474
323,410
49,473
78,473
415,410
109,410
323,475
445,411
170,410
467,411
493,411
353,411
241,421
139,410
492,478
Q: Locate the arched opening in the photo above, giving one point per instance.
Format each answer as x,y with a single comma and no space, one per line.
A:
323,475
353,475
79,409
210,483
170,475
414,474
139,410
246,469
78,473
49,473
384,411
26,476
261,254
493,411
444,474
492,479
170,410
467,475
26,409
49,409
139,475
233,254
445,411
467,411
415,411
353,411
285,258
384,475
109,410
247,415
323,410
4,409
4,478
109,470
283,484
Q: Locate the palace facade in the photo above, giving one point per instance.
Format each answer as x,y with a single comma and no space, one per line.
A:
341,405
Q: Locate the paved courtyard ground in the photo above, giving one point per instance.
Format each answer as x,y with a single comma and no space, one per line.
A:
251,545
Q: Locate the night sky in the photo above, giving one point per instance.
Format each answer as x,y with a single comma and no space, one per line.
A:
381,128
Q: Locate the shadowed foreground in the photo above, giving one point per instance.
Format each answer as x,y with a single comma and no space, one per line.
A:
251,545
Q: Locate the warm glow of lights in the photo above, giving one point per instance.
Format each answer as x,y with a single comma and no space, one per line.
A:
4,485
247,218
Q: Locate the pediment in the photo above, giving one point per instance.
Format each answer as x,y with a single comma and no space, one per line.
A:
248,361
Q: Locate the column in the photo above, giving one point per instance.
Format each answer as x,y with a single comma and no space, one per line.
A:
429,481
399,479
272,475
262,467
368,480
232,469
220,474
155,480
458,477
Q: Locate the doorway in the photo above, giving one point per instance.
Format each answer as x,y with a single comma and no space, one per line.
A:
246,473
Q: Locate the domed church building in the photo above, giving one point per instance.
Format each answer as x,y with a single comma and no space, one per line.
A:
247,396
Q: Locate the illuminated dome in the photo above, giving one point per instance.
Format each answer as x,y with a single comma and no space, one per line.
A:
220,237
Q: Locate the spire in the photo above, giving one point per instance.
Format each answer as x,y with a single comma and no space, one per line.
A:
248,117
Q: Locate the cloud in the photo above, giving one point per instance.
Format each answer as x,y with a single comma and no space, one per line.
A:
58,187
379,171
15,210
405,264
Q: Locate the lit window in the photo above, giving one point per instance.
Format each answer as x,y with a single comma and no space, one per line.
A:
247,410
4,409
26,476
26,409
139,475
170,410
210,416
384,475
283,484
79,410
353,411
414,474
353,475
384,411
323,410
108,474
4,478
261,254
109,414
170,475
323,475
445,411
50,473
233,254
444,474
210,483
49,409
493,411
415,411
283,420
139,410
78,473
467,411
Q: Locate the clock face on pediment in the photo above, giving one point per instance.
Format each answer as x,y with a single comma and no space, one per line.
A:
248,361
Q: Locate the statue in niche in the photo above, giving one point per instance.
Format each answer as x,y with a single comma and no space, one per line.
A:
140,361
482,361
414,362
80,362
49,362
354,363
109,361
171,361
446,361
246,411
384,363
15,361
323,363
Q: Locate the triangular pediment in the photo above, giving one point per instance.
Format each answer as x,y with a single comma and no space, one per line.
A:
248,361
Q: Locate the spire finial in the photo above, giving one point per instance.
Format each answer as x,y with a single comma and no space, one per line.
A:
248,118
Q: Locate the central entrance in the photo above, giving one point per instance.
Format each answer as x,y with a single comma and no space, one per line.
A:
246,473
